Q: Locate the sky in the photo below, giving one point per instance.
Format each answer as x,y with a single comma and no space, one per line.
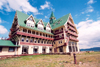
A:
85,13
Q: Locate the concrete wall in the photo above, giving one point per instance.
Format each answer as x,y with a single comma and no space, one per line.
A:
5,51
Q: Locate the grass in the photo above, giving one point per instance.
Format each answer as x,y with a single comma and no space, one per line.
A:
86,59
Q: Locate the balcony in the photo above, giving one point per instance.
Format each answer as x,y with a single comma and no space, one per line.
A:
71,24
40,44
58,38
71,28
58,32
12,29
72,33
74,39
33,35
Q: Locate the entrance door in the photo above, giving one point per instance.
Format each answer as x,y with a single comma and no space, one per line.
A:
61,49
24,50
35,50
55,49
43,50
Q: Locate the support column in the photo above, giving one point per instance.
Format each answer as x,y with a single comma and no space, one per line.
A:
71,47
67,48
47,49
40,49
75,47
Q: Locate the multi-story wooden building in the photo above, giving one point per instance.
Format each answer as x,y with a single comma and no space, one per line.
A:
30,35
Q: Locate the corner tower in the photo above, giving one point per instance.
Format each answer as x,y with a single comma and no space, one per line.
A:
52,18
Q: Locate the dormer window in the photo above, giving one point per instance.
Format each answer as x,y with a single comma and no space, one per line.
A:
30,22
48,29
31,19
40,25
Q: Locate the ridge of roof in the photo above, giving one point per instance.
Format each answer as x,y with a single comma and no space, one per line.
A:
60,22
56,23
21,21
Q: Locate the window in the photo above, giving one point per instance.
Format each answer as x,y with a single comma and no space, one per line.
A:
38,41
0,49
69,43
75,43
35,41
59,42
27,40
24,30
31,19
60,36
29,31
59,30
28,24
40,28
42,41
48,30
54,42
22,39
11,49
72,43
31,40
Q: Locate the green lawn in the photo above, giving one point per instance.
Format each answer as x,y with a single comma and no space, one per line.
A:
87,59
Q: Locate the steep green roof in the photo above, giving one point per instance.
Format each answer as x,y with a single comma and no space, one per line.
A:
60,22
52,15
7,43
56,23
21,21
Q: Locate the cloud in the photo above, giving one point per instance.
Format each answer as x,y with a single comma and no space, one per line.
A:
0,20
3,30
46,5
89,33
21,5
87,15
46,17
98,18
90,2
87,18
88,9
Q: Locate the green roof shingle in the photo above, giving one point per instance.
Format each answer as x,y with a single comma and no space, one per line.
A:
21,21
7,43
60,22
56,23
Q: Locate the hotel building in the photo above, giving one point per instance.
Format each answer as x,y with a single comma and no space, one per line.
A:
29,35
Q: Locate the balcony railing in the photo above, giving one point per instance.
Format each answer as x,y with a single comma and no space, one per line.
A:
74,39
71,28
33,35
71,24
72,33
12,29
40,44
58,32
58,38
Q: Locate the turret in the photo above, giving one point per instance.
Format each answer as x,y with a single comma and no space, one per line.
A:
52,18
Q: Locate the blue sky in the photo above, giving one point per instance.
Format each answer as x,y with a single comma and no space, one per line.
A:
85,13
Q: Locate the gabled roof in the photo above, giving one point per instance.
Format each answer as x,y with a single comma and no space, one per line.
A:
21,21
60,22
56,23
7,43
